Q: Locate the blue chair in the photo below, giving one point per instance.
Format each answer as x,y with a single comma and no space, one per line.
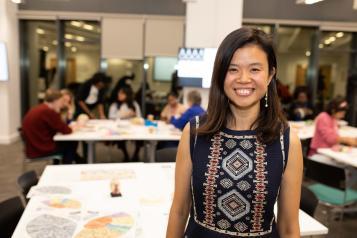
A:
331,185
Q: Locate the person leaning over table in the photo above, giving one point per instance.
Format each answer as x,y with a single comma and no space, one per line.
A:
243,157
195,109
41,123
326,127
91,95
173,107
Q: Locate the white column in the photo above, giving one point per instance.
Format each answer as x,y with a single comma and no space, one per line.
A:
10,90
207,24
209,21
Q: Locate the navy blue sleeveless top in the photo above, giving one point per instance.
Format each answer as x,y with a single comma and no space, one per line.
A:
234,184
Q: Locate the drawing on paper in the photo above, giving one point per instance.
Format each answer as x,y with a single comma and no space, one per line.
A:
116,225
63,203
46,225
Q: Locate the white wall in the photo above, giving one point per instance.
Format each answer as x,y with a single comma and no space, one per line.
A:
207,23
10,90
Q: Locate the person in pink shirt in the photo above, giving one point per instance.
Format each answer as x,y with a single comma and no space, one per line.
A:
326,130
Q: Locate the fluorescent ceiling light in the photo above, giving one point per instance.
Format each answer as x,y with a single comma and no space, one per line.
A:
88,27
339,34
68,36
18,1
308,1
76,23
80,38
40,31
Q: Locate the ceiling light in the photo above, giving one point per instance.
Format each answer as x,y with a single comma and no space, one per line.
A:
307,53
74,49
307,1
45,48
321,46
332,39
18,1
54,42
327,42
339,34
76,23
146,66
88,27
40,31
68,36
68,44
80,38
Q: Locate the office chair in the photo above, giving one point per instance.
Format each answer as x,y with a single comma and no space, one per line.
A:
11,211
53,159
166,155
308,201
25,182
331,185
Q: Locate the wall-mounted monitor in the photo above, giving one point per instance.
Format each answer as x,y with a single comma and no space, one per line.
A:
4,73
195,66
164,67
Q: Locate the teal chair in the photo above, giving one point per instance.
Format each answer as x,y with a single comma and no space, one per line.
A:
330,185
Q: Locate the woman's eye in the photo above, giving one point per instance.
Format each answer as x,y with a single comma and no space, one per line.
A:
232,70
255,69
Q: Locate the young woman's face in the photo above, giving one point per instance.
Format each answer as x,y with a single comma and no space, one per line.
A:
247,78
121,96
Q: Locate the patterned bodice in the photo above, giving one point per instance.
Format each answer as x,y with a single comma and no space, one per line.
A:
235,184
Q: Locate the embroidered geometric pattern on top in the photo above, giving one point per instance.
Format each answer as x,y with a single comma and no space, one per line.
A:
235,186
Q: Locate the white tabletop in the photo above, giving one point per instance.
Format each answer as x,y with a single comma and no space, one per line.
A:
109,130
83,190
306,129
345,155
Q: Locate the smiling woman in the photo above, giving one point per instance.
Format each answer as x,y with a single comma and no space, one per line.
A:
226,158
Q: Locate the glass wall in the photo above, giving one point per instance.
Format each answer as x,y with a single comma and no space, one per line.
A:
335,50
82,50
37,49
43,45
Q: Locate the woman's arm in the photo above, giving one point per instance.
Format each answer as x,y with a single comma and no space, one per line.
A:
182,197
289,196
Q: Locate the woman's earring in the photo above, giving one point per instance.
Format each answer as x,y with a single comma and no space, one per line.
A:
266,99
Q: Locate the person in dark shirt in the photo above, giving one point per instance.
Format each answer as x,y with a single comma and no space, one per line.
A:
195,109
301,108
91,95
41,123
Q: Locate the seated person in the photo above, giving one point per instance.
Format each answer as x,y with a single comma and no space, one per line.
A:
326,130
67,112
125,81
173,107
125,108
91,95
195,109
301,109
40,125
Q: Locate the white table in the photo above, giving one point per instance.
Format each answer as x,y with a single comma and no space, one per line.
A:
89,184
109,130
306,129
347,157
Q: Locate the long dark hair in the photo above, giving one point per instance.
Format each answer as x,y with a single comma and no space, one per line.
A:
271,119
128,91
